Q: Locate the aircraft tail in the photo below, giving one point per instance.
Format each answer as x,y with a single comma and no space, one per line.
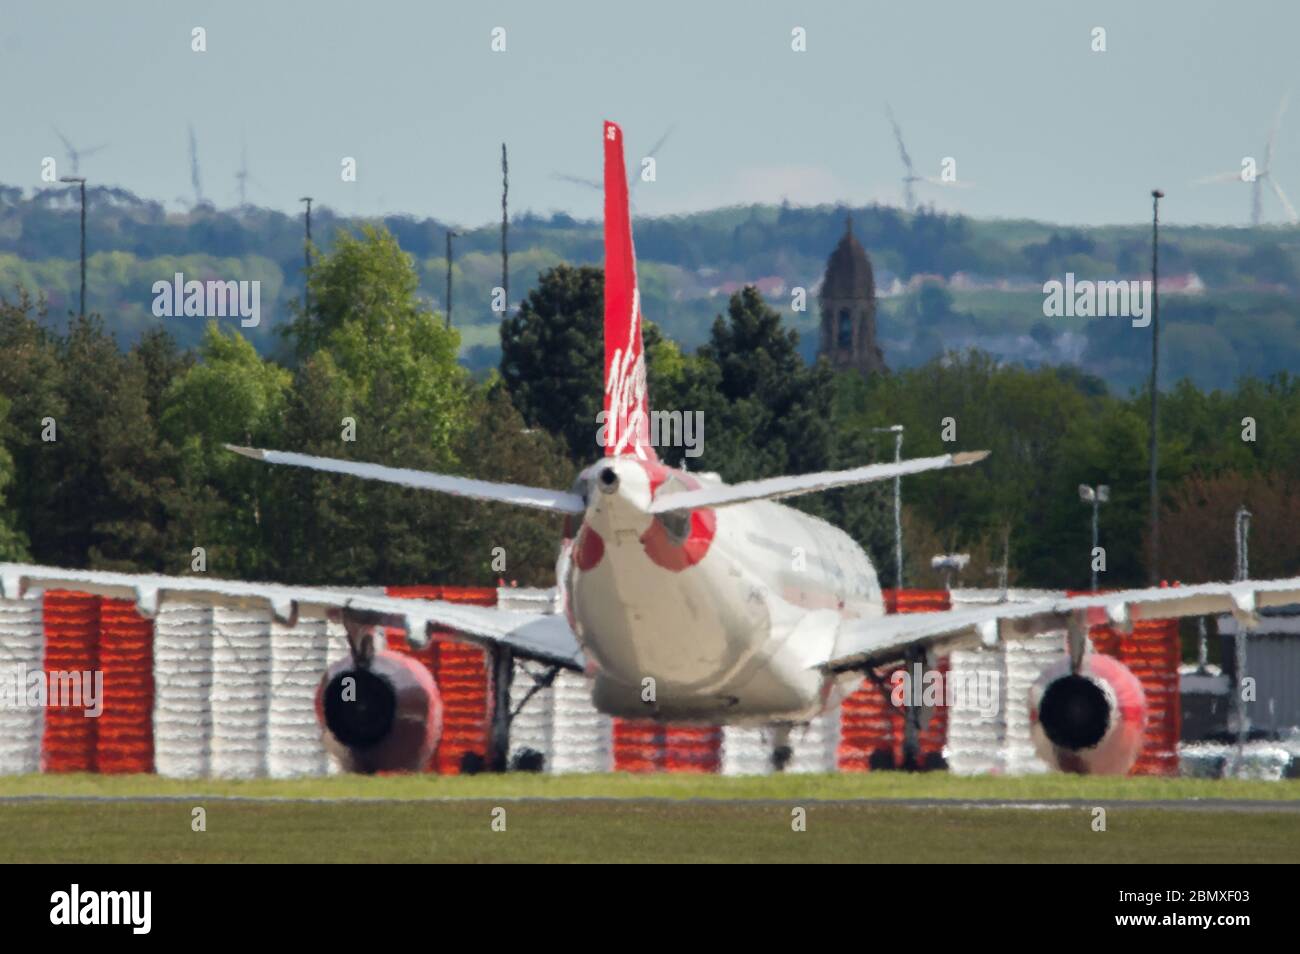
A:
627,414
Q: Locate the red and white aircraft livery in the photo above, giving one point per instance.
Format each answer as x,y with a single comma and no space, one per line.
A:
686,598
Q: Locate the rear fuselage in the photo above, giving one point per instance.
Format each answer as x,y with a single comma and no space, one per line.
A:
720,615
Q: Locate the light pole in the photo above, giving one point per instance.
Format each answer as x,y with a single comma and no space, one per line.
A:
1096,497
505,228
450,235
1153,448
81,181
950,563
1241,523
897,431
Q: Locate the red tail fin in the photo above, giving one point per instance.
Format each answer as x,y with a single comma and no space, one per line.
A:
627,415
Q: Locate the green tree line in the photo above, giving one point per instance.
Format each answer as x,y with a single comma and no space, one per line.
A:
114,458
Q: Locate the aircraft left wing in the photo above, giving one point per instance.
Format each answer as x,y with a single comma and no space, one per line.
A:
542,637
870,642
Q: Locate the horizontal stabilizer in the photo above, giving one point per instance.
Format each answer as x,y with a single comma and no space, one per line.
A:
557,501
772,488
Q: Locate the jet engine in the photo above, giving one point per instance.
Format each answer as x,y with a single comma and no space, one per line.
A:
1088,722
380,713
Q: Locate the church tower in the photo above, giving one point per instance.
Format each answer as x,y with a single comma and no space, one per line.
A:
848,301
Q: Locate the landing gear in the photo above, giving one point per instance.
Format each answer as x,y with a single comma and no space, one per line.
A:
915,715
502,660
918,661
782,751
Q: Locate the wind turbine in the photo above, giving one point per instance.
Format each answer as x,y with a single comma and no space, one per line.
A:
600,186
194,168
74,154
910,178
243,177
1266,172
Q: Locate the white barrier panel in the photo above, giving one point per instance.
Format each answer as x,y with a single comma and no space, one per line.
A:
1025,660
241,690
336,648
582,739
816,746
182,711
299,657
22,649
747,750
976,743
533,728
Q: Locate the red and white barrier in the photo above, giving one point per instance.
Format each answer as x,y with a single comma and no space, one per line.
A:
206,689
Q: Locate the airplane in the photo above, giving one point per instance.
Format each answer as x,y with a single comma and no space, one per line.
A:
689,599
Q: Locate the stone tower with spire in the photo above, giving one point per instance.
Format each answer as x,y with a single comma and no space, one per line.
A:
848,303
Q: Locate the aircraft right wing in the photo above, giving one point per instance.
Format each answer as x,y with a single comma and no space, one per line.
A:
871,642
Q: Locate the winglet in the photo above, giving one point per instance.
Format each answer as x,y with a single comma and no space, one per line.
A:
252,452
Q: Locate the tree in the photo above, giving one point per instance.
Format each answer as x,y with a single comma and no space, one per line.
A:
379,382
496,541
13,542
231,396
31,379
765,411
553,357
1197,526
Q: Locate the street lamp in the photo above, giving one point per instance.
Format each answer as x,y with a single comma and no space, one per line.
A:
1242,525
81,181
1153,448
950,563
1095,497
897,431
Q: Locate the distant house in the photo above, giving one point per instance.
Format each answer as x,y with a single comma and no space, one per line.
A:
922,278
1188,284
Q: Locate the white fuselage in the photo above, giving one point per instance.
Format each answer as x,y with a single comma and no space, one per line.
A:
726,615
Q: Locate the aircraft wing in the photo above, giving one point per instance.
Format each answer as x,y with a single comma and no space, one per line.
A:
870,642
542,637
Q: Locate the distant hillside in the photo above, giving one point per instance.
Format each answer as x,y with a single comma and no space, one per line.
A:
1232,307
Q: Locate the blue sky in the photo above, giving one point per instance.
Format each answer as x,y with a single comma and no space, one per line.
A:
1039,124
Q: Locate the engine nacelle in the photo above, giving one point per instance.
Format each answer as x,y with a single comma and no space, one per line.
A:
1090,723
382,717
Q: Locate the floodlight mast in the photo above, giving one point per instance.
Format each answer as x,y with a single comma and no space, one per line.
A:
1096,497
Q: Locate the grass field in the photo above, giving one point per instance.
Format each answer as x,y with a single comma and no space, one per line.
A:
82,818
673,785
638,818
